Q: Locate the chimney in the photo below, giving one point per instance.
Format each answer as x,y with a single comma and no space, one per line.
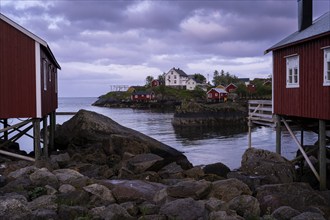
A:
305,14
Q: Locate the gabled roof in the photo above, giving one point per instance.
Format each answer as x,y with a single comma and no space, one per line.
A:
231,84
31,35
181,72
218,90
319,27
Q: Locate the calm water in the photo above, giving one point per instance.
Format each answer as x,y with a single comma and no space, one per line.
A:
199,145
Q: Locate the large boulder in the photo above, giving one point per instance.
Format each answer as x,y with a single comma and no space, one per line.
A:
245,206
88,127
299,196
14,208
191,188
272,166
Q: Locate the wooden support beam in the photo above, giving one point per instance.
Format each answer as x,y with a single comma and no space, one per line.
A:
36,135
250,135
45,136
16,155
301,150
19,130
52,124
16,125
322,156
5,125
15,137
278,134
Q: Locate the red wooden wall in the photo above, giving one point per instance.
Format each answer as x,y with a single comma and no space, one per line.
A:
17,73
311,99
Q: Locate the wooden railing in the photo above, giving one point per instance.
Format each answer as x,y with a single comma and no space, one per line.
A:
260,112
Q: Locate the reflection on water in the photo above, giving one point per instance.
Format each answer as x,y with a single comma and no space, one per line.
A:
200,145
204,132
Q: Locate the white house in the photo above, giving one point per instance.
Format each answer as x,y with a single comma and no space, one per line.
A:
191,83
176,77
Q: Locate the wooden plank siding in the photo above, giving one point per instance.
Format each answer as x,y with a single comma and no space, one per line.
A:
311,99
49,96
17,73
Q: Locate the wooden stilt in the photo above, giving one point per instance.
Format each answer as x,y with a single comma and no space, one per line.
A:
322,155
45,137
5,125
36,134
250,135
52,124
278,133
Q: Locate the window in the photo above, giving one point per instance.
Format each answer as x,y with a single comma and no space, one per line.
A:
45,70
326,76
174,76
292,72
209,95
174,81
216,94
50,73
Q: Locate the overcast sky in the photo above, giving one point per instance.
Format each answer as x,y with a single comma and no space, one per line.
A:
102,43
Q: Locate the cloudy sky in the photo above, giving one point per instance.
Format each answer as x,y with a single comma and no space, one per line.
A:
102,43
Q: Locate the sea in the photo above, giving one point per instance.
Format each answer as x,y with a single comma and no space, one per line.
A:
200,145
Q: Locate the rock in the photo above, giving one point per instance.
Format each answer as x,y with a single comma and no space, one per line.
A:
134,190
50,190
274,167
142,162
115,212
101,194
42,176
3,181
224,215
44,202
195,173
245,206
61,159
251,180
74,198
11,208
71,212
171,171
41,214
285,213
299,196
152,217
69,176
309,216
21,172
66,188
228,189
214,204
20,185
148,208
130,207
194,189
184,209
217,168
90,127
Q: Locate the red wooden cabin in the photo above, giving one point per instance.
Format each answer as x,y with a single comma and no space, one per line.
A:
28,73
301,68
231,87
301,80
251,88
142,96
155,83
216,95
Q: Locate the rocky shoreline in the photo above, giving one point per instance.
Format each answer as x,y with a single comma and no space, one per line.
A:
102,170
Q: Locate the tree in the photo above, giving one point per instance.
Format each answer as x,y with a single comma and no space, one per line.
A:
199,78
223,78
149,80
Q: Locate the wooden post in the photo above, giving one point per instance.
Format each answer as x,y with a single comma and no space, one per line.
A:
250,135
278,133
36,135
322,155
5,125
52,124
302,137
45,135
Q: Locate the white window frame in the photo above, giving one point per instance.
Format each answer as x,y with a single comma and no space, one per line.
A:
326,67
45,72
292,71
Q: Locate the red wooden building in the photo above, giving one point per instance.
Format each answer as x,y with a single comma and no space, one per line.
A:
217,95
155,83
231,87
143,96
28,73
28,82
301,75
